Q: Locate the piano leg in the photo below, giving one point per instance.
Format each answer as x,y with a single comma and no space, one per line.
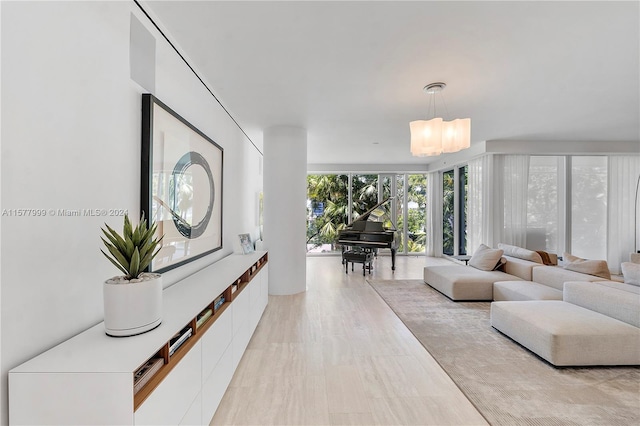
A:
393,259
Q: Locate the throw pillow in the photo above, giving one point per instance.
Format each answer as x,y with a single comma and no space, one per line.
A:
546,258
485,258
520,253
631,272
598,268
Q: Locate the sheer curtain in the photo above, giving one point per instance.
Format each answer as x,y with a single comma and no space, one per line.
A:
481,217
546,203
623,172
515,178
434,215
498,200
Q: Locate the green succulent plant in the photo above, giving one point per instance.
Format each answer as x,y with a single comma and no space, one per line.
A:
132,252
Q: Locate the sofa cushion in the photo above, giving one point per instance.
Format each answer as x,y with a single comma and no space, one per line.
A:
618,278
556,276
524,290
485,258
620,286
460,282
520,253
566,334
605,299
520,268
631,273
599,268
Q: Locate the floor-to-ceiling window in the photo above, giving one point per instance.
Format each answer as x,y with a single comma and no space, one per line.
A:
545,203
463,186
567,205
448,217
454,211
398,206
589,206
335,200
327,210
416,212
387,182
364,193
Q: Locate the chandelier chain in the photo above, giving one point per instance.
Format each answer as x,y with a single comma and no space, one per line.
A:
446,110
432,104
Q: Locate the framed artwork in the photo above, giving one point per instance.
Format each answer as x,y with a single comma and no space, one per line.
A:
181,185
245,243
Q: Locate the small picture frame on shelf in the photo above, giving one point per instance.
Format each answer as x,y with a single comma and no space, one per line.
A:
245,243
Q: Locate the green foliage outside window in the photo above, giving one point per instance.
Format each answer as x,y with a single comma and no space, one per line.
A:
448,193
331,193
327,209
416,214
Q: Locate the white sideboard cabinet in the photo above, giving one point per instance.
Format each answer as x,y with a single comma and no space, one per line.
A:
91,378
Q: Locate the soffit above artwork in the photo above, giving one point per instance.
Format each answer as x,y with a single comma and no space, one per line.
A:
352,73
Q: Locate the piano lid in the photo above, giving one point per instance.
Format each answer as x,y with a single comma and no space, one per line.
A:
379,213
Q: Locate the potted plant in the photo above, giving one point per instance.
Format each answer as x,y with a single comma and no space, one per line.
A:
133,301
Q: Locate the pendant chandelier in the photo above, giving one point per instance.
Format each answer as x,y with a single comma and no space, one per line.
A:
436,136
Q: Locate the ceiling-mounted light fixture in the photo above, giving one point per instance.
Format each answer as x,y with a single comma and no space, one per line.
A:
435,136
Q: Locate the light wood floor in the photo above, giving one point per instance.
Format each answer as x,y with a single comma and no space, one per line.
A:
337,355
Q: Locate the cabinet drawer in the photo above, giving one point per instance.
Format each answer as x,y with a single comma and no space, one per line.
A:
240,342
194,415
216,384
52,398
254,288
216,340
171,400
240,310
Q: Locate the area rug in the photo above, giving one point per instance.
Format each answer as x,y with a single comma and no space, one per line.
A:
507,383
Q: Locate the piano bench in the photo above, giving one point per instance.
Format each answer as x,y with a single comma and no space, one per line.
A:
357,256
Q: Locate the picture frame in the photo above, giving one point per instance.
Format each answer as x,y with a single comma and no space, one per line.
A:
181,186
246,244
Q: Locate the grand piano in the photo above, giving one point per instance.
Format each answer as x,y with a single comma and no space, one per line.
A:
368,232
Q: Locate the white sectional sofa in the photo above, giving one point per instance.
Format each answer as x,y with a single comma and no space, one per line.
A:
566,317
465,282
546,283
595,323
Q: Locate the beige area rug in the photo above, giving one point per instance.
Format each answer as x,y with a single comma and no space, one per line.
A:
508,384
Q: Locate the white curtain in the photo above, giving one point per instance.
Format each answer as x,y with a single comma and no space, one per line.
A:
515,179
622,210
434,215
481,217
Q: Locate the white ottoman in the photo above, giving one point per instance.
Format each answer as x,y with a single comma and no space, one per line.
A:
567,335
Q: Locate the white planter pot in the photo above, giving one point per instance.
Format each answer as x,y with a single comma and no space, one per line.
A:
132,308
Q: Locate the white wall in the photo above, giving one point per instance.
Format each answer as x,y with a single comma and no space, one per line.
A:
71,140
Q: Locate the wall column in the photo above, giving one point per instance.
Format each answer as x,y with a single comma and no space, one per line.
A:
285,196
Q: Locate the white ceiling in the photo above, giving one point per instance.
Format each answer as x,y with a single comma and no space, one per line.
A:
352,73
